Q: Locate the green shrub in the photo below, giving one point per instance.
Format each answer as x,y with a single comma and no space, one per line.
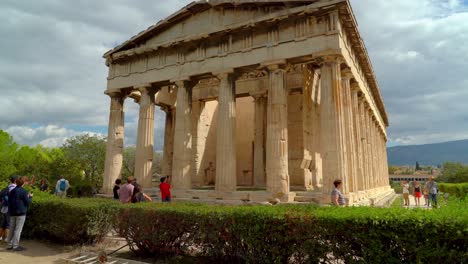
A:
70,221
302,234
261,234
457,189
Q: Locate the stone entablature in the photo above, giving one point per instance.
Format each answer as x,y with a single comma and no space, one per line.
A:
273,94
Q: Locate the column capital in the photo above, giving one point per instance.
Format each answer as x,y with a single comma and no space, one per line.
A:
116,94
328,59
258,94
143,86
223,74
346,74
355,87
275,65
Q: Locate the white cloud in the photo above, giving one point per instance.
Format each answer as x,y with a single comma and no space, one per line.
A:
52,73
48,136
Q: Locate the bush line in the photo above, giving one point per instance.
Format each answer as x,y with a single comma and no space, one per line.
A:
261,234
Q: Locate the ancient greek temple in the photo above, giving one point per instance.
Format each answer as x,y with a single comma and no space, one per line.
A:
264,101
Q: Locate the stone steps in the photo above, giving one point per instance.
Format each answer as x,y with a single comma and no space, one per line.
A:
93,258
308,197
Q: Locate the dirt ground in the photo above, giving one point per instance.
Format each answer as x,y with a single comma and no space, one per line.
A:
36,252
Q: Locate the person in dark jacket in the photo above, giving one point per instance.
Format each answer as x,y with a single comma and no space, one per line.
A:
18,202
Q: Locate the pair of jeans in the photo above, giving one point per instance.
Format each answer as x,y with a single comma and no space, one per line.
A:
433,199
16,227
166,200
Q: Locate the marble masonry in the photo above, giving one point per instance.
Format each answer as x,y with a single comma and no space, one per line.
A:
264,101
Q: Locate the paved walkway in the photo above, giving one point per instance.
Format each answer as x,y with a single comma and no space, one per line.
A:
36,252
413,203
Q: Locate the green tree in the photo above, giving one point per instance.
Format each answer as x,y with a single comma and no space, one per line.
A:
8,149
453,172
128,167
88,153
418,167
392,169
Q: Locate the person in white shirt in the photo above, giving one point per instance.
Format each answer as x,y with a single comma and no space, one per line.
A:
61,187
406,187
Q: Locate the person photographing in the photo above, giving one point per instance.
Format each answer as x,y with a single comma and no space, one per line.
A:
18,202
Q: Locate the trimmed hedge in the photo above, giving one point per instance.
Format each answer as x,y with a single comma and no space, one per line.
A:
457,189
299,234
70,221
262,234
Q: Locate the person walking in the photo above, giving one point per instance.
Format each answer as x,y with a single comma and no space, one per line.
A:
432,187
126,191
337,197
5,223
18,202
417,193
165,189
406,187
116,189
426,195
61,187
139,196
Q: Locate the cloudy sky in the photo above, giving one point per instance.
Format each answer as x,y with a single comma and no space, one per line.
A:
52,75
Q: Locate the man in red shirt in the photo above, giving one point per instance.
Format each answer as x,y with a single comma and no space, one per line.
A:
164,187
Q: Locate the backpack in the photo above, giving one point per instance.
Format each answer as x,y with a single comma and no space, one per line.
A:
4,200
63,185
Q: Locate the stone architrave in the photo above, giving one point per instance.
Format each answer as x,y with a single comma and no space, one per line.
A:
168,141
115,142
259,139
182,158
277,134
145,138
226,179
333,126
349,130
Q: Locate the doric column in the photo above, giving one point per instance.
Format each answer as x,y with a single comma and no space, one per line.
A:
145,137
332,124
371,148
259,139
168,141
357,137
115,142
277,134
182,157
386,179
365,150
351,154
226,180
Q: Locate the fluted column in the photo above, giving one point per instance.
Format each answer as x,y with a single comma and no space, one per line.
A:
226,180
168,141
387,181
182,157
277,134
259,139
365,150
145,138
351,154
371,148
115,142
332,124
357,137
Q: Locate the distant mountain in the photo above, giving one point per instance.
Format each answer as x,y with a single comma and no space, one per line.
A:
429,154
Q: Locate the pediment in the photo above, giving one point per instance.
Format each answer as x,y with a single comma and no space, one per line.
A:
204,18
